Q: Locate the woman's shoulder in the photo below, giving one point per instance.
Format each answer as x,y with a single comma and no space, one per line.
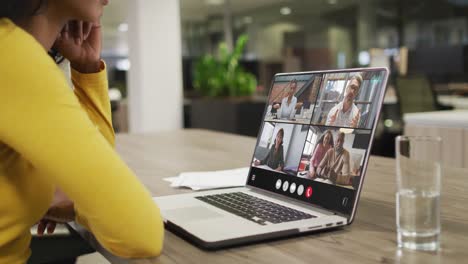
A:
24,61
20,50
6,25
322,149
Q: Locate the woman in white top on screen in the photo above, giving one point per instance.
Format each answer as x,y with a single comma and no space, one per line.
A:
346,113
287,110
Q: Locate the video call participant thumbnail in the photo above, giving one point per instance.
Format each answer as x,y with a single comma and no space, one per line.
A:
336,161
324,144
275,156
346,113
334,156
287,109
280,147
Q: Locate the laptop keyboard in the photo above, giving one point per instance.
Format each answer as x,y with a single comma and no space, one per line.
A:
254,209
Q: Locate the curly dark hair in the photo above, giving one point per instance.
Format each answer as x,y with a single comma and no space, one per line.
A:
16,10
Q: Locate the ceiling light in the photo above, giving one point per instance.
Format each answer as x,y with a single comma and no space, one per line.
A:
115,94
285,11
123,27
364,58
123,65
333,2
214,2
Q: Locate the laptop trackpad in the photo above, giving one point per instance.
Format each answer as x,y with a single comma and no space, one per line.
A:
189,214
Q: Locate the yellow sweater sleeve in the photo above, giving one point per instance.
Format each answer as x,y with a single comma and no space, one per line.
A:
93,94
42,120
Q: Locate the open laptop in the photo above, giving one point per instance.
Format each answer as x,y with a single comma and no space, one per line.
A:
307,169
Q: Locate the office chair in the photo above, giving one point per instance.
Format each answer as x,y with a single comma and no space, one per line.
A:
415,94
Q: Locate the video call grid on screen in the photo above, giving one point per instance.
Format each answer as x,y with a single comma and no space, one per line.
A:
324,122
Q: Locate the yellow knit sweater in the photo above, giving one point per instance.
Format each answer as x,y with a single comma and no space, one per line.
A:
52,136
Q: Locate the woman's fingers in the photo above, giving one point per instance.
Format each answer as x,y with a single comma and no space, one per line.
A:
94,37
41,226
79,32
65,34
51,227
46,225
76,31
87,27
62,212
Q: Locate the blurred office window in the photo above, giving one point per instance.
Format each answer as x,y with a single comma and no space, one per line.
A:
326,34
411,37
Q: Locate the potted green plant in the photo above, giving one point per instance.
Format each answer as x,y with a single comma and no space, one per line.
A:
226,90
223,75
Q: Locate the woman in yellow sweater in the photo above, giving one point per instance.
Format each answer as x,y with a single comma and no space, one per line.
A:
54,137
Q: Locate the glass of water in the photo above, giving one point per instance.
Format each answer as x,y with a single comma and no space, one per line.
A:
418,192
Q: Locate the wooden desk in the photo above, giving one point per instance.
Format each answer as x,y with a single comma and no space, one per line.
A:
370,239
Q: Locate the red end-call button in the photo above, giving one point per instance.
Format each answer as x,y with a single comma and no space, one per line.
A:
308,192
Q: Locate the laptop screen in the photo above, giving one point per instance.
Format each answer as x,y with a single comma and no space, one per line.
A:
316,135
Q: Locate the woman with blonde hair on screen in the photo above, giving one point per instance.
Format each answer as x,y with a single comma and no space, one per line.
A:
324,143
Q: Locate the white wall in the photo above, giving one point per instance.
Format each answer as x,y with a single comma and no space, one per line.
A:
357,155
293,156
155,76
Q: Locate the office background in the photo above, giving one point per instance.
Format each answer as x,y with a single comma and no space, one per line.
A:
152,49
